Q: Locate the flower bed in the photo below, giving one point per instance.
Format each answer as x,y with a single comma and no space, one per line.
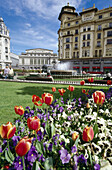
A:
56,134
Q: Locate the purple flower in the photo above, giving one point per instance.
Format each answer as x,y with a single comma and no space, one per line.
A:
65,156
50,147
41,158
61,109
63,144
32,154
97,167
81,159
15,140
18,165
0,149
69,117
74,149
39,135
28,108
56,137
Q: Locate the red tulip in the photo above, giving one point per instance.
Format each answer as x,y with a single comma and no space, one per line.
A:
71,88
74,136
7,131
91,80
82,82
33,123
88,134
36,100
53,89
85,92
99,97
61,91
109,82
19,110
47,98
23,146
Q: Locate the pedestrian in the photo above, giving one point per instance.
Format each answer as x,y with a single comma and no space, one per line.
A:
6,72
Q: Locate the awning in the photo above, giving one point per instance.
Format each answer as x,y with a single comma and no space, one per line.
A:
85,67
75,67
95,67
107,67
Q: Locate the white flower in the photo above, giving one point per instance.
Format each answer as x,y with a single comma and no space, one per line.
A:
96,158
42,129
51,119
67,140
64,115
101,111
107,111
95,114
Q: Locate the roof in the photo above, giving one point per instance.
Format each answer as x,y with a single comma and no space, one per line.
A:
88,10
67,12
39,49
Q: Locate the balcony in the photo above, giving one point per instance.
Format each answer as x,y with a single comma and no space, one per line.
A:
75,48
98,45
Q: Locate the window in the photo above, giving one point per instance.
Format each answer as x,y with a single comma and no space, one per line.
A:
100,53
98,43
6,49
68,18
35,61
46,61
111,14
99,36
67,55
77,54
109,33
68,24
6,41
100,16
31,61
110,24
88,44
67,39
77,22
109,41
76,39
84,29
6,57
76,46
22,61
88,36
84,37
42,61
99,27
89,28
38,61
83,44
76,31
95,53
67,46
74,55
68,32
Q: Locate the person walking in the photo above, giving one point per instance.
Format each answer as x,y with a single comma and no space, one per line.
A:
6,72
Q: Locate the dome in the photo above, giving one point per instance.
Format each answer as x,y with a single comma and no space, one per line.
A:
1,19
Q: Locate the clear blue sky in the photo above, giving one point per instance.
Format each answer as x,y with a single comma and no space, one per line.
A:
34,23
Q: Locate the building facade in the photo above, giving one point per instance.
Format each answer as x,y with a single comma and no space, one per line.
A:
85,39
36,58
15,60
4,45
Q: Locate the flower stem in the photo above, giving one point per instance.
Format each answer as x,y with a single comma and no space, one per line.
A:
23,162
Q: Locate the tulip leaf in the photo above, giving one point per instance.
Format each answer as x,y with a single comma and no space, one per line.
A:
38,147
9,156
95,129
52,129
76,142
35,166
48,163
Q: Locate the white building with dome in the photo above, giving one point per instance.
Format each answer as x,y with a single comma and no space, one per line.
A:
4,45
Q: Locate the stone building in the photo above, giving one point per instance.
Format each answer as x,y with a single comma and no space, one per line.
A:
85,39
15,60
4,45
36,58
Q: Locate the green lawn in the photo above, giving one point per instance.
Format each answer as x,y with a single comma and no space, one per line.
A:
12,93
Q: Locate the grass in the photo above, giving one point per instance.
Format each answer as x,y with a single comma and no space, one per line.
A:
13,93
